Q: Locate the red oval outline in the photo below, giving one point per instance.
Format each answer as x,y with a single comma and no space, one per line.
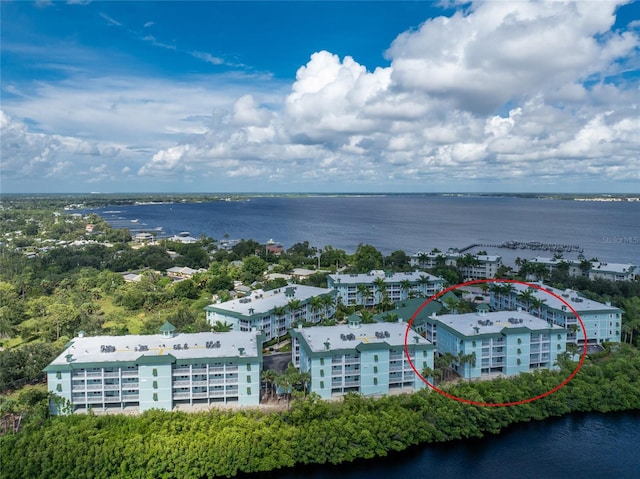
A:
512,403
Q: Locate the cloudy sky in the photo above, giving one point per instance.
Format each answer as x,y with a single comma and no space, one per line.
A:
320,97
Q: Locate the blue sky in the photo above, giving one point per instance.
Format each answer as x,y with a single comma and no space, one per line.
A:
319,96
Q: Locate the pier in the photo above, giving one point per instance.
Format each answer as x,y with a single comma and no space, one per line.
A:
531,245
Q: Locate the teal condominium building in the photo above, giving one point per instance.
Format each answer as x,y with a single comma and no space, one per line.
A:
365,358
161,371
498,343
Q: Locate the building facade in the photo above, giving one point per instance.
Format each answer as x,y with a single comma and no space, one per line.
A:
161,371
275,312
504,342
365,358
471,266
592,270
603,322
372,288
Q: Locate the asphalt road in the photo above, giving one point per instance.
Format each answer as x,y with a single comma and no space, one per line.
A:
277,362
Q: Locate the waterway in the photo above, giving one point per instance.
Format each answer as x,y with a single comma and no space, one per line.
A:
581,446
609,231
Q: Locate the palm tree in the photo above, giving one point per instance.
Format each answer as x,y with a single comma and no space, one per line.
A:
423,281
316,305
293,305
367,317
427,373
390,318
381,289
537,303
526,297
327,302
220,327
405,286
467,359
279,312
269,378
422,259
363,292
450,303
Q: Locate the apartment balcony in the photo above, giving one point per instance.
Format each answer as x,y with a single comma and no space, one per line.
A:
111,387
112,374
181,372
95,399
181,383
199,383
216,381
112,399
231,369
350,384
216,394
94,387
181,395
94,375
128,374
199,371
199,395
216,369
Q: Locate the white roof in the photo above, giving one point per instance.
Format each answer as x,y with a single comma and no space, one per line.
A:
372,276
127,348
265,301
575,299
493,323
612,267
317,336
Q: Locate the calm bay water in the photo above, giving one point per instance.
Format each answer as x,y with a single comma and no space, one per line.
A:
607,230
582,446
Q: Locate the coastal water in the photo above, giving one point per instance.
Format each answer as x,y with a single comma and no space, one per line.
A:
607,230
585,446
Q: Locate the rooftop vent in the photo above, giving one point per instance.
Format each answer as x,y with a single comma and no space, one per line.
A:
107,349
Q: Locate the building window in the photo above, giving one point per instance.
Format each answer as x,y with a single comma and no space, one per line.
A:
321,361
155,396
248,378
519,340
155,384
375,381
248,367
58,375
559,336
155,372
375,358
375,369
322,373
321,384
519,362
473,344
519,351
59,388
559,347
249,391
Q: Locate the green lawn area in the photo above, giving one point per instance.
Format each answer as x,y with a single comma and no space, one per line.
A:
13,395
